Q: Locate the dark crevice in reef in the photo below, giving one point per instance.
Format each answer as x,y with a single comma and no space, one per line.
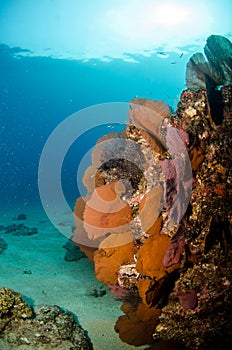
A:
215,100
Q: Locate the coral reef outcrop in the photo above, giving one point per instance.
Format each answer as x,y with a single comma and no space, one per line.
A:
18,230
13,307
43,327
159,230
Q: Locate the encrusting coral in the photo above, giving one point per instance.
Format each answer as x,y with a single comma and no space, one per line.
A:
12,307
171,258
44,327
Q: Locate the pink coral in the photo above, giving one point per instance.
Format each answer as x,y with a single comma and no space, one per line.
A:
168,168
175,248
188,299
119,292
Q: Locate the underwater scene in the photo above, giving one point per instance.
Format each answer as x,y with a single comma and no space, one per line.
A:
115,175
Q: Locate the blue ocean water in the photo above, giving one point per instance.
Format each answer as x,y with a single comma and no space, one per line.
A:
37,93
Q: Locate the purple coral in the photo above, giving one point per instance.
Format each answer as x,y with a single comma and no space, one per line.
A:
119,292
178,175
175,248
188,299
168,168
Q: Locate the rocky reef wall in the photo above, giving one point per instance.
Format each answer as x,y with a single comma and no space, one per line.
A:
156,221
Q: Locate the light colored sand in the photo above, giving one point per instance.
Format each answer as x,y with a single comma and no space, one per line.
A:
54,281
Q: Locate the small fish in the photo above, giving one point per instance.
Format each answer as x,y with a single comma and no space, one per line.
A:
173,62
181,55
162,54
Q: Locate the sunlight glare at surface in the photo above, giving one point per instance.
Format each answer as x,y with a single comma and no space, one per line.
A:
171,15
110,29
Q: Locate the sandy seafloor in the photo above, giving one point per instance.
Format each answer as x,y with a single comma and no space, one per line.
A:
54,281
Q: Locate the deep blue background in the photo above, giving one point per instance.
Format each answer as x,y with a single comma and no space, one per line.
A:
37,93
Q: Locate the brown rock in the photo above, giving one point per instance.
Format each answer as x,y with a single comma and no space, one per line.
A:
88,178
196,157
92,179
150,256
149,209
149,115
156,227
103,151
116,240
138,325
106,212
143,286
80,237
108,260
112,135
154,143
167,345
153,292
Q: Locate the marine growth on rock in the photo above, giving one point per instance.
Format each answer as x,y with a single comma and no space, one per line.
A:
161,238
43,327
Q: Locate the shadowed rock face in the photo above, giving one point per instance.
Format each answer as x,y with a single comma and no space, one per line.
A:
167,345
212,74
138,323
197,68
218,51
